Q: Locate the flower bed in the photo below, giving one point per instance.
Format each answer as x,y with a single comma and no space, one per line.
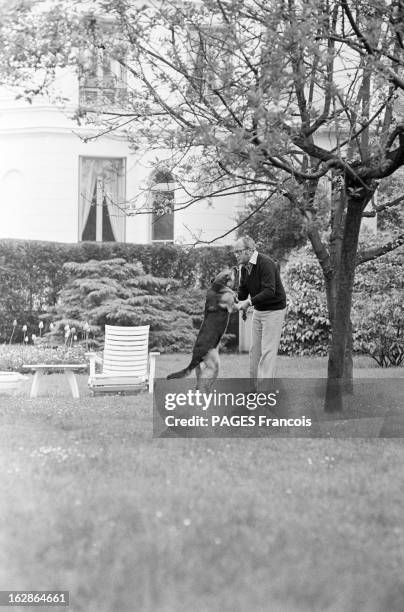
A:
12,356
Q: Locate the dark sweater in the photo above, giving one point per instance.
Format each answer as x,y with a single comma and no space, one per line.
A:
263,284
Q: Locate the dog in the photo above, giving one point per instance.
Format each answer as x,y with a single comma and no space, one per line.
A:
220,303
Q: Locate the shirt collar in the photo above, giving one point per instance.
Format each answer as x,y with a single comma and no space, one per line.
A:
253,258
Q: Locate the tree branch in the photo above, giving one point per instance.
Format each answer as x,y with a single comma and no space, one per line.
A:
320,249
381,207
273,192
355,27
390,163
376,252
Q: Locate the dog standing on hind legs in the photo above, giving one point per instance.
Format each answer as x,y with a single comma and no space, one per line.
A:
220,302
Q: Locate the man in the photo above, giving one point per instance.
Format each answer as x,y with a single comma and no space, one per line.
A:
261,287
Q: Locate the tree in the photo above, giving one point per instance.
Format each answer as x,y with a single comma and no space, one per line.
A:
116,292
243,95
277,227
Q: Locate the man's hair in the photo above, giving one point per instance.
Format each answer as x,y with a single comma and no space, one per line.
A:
248,242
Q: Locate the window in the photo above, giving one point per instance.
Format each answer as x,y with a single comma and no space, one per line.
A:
102,199
213,63
162,206
103,82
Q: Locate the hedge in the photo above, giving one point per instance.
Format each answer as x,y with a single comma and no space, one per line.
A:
32,274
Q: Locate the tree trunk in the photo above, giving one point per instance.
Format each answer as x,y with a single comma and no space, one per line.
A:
348,362
340,355
347,384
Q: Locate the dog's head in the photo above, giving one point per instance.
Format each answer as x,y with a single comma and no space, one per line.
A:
226,278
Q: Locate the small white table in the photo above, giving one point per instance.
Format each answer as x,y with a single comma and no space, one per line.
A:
67,368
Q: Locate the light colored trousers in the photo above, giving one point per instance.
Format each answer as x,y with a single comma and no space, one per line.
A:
266,330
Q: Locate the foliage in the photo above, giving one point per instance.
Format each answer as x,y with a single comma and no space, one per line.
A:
236,93
392,218
30,276
277,228
116,292
381,275
378,314
32,273
119,293
381,328
13,357
243,97
307,327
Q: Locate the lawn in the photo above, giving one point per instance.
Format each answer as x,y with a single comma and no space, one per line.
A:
91,503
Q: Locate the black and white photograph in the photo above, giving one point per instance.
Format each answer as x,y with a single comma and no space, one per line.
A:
202,305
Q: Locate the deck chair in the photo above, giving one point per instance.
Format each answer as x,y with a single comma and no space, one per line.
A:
127,366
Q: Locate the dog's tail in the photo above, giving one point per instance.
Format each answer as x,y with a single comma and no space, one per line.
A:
180,374
186,371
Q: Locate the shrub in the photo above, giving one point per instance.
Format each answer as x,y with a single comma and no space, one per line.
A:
32,273
378,314
307,327
115,292
381,331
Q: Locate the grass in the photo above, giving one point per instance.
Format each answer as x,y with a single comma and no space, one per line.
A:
91,503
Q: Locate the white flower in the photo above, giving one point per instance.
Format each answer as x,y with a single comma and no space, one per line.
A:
26,339
86,326
40,325
33,337
14,322
51,326
75,337
67,328
24,328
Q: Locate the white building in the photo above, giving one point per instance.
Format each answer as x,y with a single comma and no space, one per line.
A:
55,185
63,181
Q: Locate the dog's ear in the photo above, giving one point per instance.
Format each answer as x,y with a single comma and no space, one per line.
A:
231,277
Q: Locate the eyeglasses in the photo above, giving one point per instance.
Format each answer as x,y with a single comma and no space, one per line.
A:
237,251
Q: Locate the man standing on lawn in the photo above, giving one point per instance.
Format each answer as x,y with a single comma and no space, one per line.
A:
261,287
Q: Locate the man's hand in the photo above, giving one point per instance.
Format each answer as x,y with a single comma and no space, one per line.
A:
244,305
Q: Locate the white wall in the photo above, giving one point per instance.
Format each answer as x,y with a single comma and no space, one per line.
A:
39,179
45,205
208,221
40,148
